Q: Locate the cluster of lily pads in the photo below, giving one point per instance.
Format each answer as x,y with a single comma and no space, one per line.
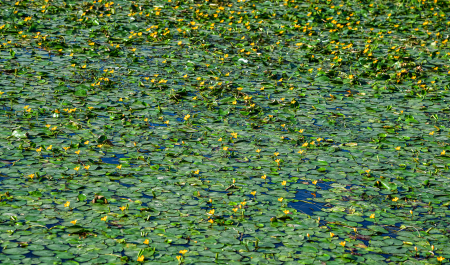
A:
231,132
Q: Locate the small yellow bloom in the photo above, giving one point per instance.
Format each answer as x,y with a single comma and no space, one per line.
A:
440,258
67,204
398,148
119,167
31,176
253,193
443,152
301,151
66,148
372,216
280,199
87,167
187,117
225,148
122,208
431,133
197,171
395,199
314,182
258,151
212,212
39,149
342,243
104,219
331,234
264,177
276,154
87,142
211,221
49,147
178,258
286,211
100,145
74,222
141,258
146,242
76,168
48,125
184,251
77,152
283,183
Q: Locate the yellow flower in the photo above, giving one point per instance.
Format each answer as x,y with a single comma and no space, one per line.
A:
263,176
211,212
54,128
67,204
314,182
431,133
258,151
276,154
211,221
253,193
77,152
225,148
395,199
286,211
305,144
87,167
331,234
235,209
440,258
76,168
122,208
301,151
49,147
187,117
398,148
220,140
178,258
87,142
146,242
119,167
283,183
197,171
74,222
184,251
104,219
372,216
342,243
48,125
280,199
443,152
141,258
39,149
301,130
31,176
100,145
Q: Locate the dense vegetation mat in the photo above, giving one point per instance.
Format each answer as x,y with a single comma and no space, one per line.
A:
237,132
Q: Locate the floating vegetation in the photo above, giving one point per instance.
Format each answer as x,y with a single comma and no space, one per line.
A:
232,132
